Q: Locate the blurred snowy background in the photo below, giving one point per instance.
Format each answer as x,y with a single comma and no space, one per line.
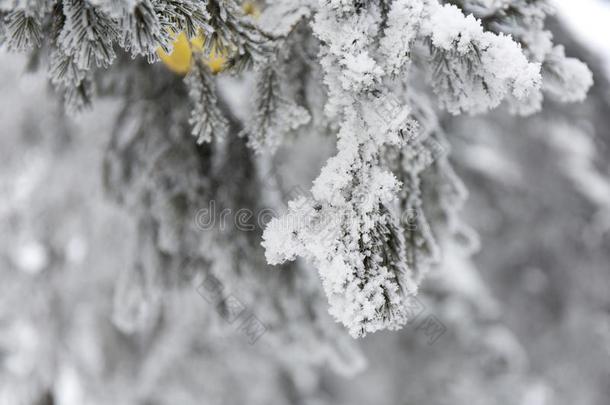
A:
527,319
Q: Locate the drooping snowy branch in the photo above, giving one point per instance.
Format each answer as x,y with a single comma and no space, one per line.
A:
354,212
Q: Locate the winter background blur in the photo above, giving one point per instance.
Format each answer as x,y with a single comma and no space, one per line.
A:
525,320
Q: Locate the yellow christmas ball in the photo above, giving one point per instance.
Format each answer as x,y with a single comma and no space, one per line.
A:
180,59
